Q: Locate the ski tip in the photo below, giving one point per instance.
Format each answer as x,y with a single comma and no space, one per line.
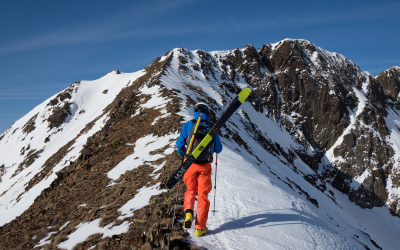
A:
244,94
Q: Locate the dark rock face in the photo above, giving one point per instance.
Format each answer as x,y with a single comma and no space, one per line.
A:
30,125
319,102
65,95
31,156
60,106
390,81
59,115
2,170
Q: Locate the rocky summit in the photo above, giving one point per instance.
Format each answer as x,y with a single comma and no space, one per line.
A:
311,160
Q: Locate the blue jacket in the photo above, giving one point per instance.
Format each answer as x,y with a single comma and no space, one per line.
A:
180,143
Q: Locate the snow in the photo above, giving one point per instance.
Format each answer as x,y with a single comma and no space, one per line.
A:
275,46
45,240
256,210
164,115
85,229
164,57
63,226
360,179
384,226
141,199
159,167
156,100
393,123
174,79
220,53
362,99
142,155
314,57
392,190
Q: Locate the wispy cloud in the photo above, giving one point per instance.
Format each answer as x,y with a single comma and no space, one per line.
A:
380,62
23,98
149,24
113,28
37,88
6,114
36,93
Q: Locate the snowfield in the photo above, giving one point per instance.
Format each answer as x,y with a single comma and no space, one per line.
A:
256,210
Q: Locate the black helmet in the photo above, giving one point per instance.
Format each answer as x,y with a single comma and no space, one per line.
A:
202,107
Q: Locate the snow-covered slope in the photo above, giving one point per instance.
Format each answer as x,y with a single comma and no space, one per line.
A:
286,177
27,138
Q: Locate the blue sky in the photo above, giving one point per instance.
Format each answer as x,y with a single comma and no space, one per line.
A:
46,45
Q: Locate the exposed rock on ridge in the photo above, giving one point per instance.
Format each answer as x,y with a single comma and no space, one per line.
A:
390,80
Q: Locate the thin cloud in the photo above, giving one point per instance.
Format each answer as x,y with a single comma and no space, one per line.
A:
114,28
23,98
5,114
53,86
25,94
124,25
372,62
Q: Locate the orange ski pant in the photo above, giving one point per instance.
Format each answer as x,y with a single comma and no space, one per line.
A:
198,180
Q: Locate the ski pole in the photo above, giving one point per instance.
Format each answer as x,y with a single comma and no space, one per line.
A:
215,181
173,218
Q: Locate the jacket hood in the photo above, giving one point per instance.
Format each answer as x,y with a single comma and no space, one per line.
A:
204,117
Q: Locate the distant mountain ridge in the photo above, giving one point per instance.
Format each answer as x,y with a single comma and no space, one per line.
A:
102,143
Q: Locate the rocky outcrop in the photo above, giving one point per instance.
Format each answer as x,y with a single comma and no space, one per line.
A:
390,81
30,125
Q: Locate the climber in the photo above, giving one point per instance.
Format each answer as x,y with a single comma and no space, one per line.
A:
198,177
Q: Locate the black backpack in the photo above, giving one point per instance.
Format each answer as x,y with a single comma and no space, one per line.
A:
207,155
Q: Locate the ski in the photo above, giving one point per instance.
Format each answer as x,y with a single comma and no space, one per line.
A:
207,139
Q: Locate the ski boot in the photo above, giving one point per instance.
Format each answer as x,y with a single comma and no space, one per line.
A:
188,218
200,232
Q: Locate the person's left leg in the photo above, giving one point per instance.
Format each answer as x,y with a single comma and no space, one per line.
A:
204,187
